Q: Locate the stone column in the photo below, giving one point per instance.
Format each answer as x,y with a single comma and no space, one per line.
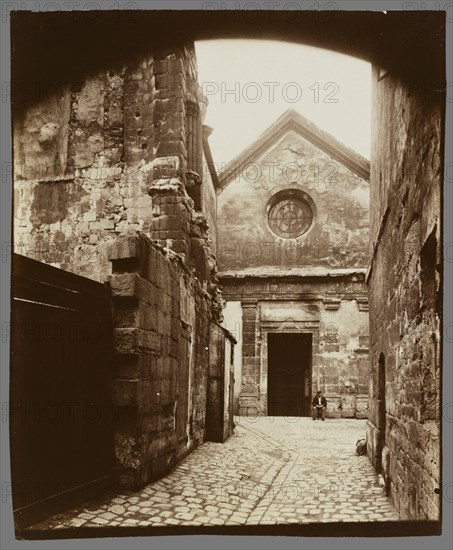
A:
250,393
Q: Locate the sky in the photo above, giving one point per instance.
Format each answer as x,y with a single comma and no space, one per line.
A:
250,83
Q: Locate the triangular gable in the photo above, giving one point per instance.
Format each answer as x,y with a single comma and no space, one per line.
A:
291,120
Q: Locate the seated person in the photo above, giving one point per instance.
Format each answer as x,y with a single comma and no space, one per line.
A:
319,406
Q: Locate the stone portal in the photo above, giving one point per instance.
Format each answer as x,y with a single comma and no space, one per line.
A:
289,374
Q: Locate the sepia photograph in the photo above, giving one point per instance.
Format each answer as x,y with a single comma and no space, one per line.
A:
226,270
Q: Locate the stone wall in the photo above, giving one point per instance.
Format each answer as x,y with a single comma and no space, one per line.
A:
180,213
80,168
404,293
340,200
116,151
162,325
333,310
92,159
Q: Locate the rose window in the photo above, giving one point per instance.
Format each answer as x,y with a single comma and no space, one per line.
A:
290,217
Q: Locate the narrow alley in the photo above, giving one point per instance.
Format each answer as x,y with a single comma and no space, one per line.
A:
197,269
273,470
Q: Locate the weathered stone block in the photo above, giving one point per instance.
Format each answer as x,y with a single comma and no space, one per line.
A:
151,424
89,216
331,348
168,105
160,66
166,167
86,147
170,80
173,348
176,67
362,406
125,392
163,323
248,350
175,327
130,451
248,339
125,314
123,248
333,406
134,340
149,394
107,224
124,284
128,366
348,406
147,316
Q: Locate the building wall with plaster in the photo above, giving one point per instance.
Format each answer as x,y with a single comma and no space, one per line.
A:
313,282
334,311
339,198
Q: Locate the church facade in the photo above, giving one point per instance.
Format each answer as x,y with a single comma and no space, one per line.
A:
292,248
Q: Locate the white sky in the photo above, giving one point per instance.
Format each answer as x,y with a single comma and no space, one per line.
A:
250,83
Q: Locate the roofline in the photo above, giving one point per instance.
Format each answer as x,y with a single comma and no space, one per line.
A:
291,120
261,273
208,156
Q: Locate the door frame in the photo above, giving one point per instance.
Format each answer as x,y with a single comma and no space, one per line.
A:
301,327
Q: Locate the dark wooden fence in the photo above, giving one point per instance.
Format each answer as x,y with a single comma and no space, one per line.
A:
60,407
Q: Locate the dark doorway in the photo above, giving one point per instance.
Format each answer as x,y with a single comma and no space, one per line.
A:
289,374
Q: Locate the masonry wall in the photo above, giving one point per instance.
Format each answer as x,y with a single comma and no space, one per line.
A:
162,327
85,156
334,311
404,293
116,151
79,154
339,235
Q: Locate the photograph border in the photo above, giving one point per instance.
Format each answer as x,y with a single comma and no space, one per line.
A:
253,538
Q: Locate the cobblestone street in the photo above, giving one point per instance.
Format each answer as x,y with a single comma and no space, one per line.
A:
271,471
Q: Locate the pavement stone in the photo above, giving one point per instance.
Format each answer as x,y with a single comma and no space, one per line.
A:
271,471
